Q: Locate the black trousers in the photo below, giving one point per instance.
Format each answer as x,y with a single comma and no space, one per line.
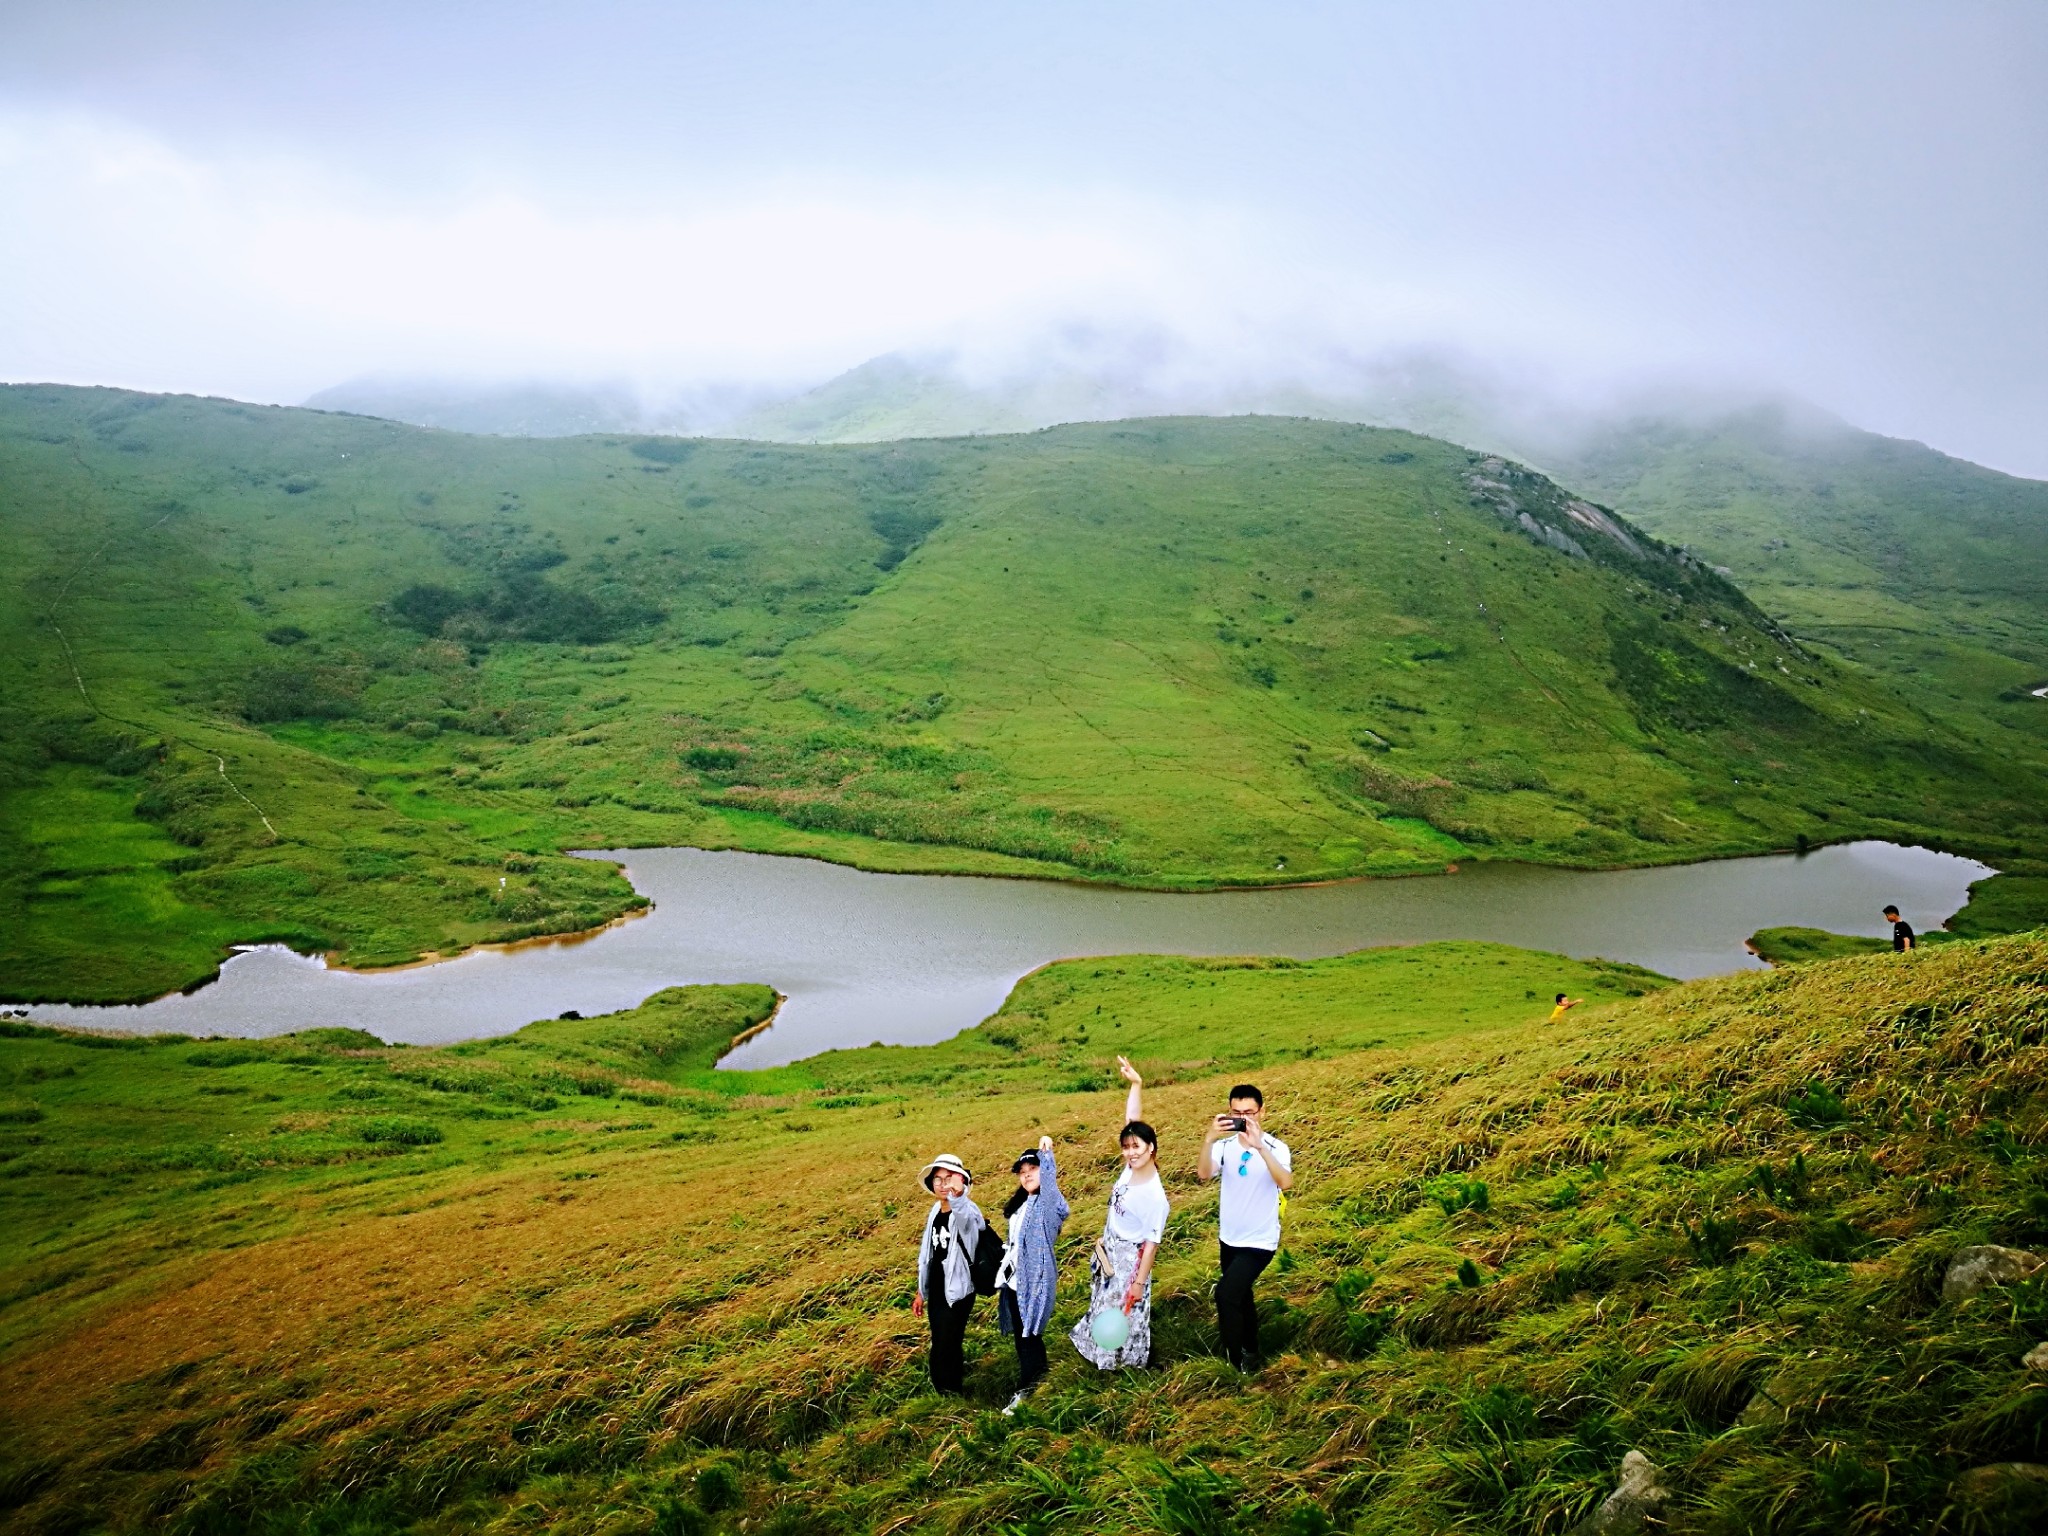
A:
1030,1346
949,1336
1237,1314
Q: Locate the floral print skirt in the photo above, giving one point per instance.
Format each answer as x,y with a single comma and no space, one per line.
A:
1109,1272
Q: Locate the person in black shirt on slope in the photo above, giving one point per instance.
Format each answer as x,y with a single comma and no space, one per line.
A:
1902,931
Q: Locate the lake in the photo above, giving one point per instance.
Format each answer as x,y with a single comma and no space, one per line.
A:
910,959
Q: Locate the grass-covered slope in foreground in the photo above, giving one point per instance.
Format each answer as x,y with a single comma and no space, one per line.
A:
284,674
1709,1223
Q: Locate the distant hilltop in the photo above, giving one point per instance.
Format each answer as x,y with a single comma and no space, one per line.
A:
1840,533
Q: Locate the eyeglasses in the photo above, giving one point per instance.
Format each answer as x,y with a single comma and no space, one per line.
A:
1244,1162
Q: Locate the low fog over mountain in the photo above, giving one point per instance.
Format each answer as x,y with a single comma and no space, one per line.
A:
1091,377
543,409
1840,203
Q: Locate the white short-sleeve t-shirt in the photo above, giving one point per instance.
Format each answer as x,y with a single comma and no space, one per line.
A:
1250,1201
1137,1212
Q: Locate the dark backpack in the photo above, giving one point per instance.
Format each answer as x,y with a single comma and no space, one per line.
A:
987,1259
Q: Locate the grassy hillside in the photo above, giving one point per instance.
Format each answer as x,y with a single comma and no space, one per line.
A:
284,674
1930,569
619,1293
892,397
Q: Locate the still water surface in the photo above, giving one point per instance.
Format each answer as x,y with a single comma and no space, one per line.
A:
911,959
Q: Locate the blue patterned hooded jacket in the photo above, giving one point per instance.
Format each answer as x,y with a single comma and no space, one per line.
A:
1034,1232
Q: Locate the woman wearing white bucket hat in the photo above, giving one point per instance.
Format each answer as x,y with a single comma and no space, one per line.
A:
945,1275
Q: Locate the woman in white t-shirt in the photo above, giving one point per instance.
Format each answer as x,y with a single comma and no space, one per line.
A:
1120,1270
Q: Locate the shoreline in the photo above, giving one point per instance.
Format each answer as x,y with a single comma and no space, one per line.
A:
1232,887
618,859
749,1033
567,940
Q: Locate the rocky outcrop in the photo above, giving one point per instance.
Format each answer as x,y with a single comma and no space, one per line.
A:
1640,1496
1986,1264
2005,1496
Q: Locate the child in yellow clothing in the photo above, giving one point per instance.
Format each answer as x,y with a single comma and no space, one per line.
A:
1564,1006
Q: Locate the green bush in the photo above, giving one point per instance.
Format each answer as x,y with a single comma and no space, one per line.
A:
288,691
400,1130
1817,1108
224,1056
718,1487
1463,1195
1713,1240
520,604
663,450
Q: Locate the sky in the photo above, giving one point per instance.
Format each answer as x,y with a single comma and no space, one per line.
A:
1846,202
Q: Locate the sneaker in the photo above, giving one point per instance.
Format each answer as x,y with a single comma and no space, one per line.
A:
1015,1403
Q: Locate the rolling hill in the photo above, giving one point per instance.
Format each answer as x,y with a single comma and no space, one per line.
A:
1929,568
356,685
1926,567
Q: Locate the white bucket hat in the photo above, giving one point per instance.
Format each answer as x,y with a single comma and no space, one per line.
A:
949,1161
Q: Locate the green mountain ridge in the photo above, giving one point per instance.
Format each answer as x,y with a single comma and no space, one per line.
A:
1677,459
1925,565
1928,567
354,685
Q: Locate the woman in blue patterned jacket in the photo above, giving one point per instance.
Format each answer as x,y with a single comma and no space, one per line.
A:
1026,1283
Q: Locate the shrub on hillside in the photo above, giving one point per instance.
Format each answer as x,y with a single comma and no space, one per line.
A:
663,450
225,1056
520,604
284,690
399,1131
89,739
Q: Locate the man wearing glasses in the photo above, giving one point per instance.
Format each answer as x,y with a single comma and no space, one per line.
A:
1255,1169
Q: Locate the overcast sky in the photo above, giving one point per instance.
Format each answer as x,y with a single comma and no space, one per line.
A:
1849,202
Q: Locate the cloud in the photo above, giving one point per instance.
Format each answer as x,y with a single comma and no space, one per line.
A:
272,206
270,276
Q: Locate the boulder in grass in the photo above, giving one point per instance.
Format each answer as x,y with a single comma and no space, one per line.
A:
1986,1264
2007,1496
2037,1358
1638,1497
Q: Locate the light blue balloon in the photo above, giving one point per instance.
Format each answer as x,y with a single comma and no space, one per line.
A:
1109,1328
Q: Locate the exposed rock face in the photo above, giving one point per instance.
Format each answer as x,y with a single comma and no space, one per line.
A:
1640,1495
2005,1496
1987,1264
1526,500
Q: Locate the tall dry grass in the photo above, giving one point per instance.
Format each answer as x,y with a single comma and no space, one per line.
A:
1709,1224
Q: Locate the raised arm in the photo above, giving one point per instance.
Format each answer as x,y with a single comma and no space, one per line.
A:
1134,1101
1049,1180
1205,1161
967,1222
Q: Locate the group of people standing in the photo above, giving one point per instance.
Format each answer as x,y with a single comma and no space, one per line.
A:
956,1257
